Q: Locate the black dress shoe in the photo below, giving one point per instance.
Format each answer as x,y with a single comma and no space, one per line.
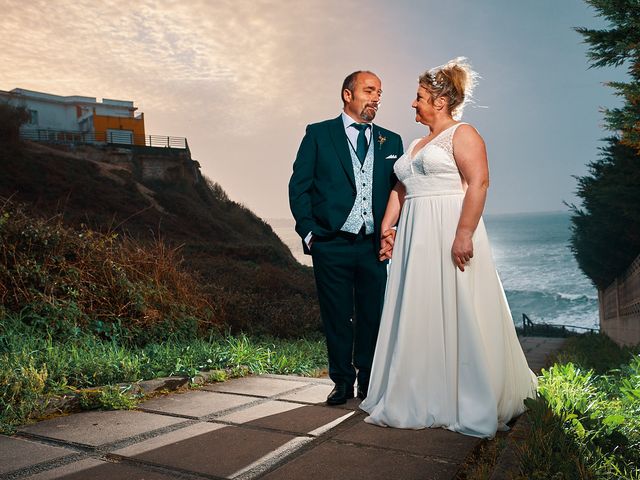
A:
340,394
362,390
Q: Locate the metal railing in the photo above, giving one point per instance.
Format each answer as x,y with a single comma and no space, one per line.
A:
550,329
68,137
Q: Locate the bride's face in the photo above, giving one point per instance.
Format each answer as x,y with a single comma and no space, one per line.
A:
423,106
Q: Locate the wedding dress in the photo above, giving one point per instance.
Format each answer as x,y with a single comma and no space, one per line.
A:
447,352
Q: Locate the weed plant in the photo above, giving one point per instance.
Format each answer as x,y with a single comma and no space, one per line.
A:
66,281
245,273
82,309
586,422
36,364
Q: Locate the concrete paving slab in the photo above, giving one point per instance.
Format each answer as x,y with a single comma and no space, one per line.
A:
266,409
322,379
99,428
313,394
210,449
332,460
310,419
93,469
290,417
195,404
256,386
352,404
17,453
174,436
435,442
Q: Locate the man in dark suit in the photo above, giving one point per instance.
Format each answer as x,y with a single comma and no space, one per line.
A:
338,192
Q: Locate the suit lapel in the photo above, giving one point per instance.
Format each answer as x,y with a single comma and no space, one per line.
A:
378,187
378,158
341,145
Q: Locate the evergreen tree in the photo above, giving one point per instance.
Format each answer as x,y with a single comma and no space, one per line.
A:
606,229
616,46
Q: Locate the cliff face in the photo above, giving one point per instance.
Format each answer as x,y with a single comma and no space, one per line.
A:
248,274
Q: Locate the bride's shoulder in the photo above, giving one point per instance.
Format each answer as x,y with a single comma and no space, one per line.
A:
466,130
466,134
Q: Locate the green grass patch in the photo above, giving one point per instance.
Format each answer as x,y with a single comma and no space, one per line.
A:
586,422
36,365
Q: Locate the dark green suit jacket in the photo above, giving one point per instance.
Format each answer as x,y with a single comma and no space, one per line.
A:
322,187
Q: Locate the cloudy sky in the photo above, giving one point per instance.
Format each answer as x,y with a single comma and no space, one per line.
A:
241,79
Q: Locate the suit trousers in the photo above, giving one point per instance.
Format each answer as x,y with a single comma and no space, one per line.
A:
351,282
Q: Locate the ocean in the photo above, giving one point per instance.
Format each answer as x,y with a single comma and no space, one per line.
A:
538,271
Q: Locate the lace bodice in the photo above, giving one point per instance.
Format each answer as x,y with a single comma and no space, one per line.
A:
432,170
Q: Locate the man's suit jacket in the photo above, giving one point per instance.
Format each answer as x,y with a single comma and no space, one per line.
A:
322,188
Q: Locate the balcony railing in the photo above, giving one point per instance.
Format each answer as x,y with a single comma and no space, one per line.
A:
69,137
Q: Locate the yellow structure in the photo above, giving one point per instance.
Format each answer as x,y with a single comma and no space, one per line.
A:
109,127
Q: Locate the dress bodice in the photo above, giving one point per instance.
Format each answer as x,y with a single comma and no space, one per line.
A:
432,170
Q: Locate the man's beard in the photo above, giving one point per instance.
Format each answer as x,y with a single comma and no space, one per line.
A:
368,113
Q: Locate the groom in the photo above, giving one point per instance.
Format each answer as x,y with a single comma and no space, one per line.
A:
338,193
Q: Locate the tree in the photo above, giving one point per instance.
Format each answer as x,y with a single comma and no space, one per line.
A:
606,228
614,47
11,118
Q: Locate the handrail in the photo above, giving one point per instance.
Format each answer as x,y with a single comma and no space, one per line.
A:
528,326
68,137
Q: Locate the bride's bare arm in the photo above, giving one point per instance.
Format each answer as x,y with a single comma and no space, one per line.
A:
471,156
390,219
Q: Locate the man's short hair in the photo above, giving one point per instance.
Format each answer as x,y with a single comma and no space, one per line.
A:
350,82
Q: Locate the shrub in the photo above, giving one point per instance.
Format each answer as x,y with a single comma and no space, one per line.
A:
586,422
67,281
11,118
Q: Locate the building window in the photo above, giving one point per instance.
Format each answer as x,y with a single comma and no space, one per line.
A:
33,117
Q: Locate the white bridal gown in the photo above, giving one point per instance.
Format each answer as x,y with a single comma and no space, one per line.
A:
447,352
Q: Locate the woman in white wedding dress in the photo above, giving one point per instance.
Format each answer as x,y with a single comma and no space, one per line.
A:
447,353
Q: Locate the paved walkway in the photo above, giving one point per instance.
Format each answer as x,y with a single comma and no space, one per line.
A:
267,427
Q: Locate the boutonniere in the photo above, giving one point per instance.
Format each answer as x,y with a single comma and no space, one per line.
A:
381,140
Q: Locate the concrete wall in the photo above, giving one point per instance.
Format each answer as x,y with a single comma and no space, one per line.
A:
147,163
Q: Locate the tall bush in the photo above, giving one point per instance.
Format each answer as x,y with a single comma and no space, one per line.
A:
11,119
606,227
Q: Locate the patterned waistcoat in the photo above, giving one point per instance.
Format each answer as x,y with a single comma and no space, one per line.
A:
363,206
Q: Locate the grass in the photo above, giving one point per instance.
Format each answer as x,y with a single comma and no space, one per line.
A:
245,273
35,366
82,309
585,424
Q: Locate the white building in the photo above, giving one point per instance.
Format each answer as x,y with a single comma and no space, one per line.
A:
109,120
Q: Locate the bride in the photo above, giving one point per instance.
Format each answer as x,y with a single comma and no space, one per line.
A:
447,352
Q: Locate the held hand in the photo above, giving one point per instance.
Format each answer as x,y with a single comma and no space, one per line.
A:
386,244
462,249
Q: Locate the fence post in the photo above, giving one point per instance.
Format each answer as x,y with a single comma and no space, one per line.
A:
617,299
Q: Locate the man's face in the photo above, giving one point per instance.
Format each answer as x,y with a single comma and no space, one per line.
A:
362,104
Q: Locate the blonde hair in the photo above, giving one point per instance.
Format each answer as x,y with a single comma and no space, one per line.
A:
455,80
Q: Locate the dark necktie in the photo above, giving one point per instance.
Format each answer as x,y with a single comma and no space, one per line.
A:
361,144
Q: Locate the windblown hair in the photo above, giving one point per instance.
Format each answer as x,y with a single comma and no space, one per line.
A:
455,80
350,82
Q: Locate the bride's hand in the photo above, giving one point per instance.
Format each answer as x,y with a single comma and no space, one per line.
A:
462,249
386,244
